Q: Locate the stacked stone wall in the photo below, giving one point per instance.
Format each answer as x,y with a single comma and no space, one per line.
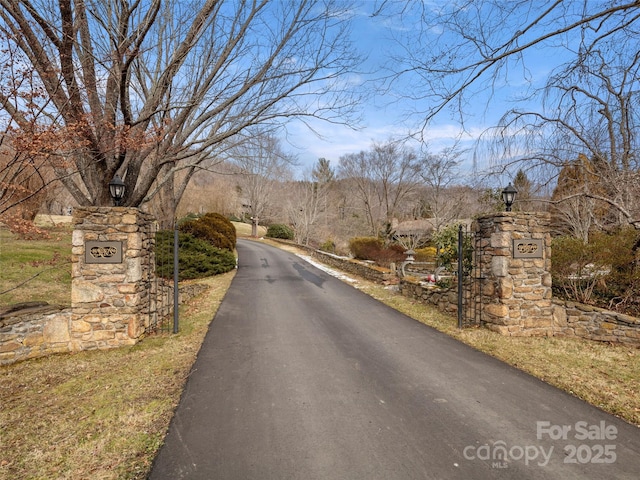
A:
40,329
35,330
110,301
572,319
355,267
444,299
515,292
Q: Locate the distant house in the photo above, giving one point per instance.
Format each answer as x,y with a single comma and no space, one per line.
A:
423,228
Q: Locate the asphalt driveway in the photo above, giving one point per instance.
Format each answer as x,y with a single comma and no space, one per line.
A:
302,376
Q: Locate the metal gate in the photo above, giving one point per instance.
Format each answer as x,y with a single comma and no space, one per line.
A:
470,278
160,291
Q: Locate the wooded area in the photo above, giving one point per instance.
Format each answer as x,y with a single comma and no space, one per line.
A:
187,102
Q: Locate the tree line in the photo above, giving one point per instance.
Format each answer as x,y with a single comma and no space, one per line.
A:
158,92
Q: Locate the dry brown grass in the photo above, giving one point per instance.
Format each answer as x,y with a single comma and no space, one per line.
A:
244,229
99,414
36,269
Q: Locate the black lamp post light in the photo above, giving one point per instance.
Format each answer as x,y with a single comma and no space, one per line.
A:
509,196
117,189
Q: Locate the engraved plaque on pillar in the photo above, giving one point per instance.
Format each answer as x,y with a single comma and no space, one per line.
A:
103,252
528,248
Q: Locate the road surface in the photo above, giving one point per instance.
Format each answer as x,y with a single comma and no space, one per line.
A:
301,376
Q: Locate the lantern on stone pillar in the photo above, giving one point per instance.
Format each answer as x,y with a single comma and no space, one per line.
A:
509,196
117,189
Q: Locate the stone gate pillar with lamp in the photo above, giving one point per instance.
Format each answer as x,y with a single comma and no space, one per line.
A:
112,264
514,258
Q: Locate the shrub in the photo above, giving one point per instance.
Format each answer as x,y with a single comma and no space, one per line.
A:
446,241
222,224
373,248
392,253
574,267
278,230
601,271
212,227
24,229
197,258
365,248
426,254
328,246
187,217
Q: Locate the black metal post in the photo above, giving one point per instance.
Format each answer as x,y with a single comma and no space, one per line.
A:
175,276
460,273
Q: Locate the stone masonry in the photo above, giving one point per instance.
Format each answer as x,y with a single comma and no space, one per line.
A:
516,293
110,301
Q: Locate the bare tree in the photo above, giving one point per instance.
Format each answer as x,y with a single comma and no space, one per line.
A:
324,175
149,89
451,51
304,208
439,174
262,168
308,202
589,112
211,191
385,176
575,213
588,105
22,181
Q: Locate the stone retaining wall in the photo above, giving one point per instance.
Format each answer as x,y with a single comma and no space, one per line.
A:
444,299
356,267
569,319
35,330
39,329
572,319
515,282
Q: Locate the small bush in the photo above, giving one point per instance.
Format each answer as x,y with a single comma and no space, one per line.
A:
446,241
197,258
392,253
365,248
426,254
329,246
278,230
212,227
222,224
373,248
24,229
205,232
187,217
602,271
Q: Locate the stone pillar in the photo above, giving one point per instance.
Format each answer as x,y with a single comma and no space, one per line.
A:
515,262
112,265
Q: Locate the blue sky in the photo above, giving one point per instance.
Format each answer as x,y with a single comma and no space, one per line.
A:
384,116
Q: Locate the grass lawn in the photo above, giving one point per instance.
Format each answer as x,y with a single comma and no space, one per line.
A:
103,414
36,269
244,229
